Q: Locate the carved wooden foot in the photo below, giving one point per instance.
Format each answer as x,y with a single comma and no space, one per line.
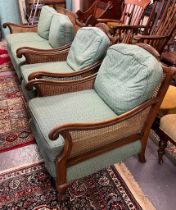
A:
161,150
61,191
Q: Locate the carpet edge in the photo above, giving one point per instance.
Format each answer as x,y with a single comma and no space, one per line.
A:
134,187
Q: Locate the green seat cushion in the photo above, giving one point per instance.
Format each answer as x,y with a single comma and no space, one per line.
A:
55,67
48,112
23,37
127,77
90,45
18,61
45,21
61,31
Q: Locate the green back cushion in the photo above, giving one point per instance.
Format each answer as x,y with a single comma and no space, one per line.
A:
61,31
127,77
90,45
45,21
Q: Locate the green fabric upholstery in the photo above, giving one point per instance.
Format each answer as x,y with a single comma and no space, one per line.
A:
45,21
91,165
61,31
17,62
23,37
47,112
127,77
90,45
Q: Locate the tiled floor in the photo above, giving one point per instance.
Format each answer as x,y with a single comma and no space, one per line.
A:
157,181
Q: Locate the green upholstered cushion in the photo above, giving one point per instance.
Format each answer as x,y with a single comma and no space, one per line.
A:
90,45
18,61
55,67
45,21
47,112
61,31
23,37
127,77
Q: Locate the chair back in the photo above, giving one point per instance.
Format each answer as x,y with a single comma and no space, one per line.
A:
164,26
100,8
97,10
89,46
128,81
72,17
133,11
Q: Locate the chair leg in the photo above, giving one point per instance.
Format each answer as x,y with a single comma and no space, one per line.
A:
161,150
142,157
61,191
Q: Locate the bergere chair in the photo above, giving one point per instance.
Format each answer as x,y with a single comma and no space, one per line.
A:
99,120
83,58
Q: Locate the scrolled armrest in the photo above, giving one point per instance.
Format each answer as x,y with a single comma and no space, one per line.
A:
34,55
19,28
53,87
55,132
81,73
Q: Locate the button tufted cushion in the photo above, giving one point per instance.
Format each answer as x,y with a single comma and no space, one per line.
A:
89,46
45,21
127,77
61,31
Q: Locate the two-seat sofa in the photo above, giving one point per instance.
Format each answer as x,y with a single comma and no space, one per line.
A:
54,31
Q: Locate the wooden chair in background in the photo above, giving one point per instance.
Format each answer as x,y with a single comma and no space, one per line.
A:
97,10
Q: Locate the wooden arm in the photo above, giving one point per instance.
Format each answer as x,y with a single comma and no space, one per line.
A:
19,28
81,73
33,55
149,37
105,20
53,87
55,132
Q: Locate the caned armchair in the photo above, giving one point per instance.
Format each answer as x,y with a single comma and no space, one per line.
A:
93,122
55,32
84,57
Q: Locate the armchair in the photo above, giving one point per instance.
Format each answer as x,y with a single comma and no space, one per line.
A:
55,31
100,119
82,59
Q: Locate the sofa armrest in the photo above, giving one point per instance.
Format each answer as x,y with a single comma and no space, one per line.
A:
19,28
34,55
46,87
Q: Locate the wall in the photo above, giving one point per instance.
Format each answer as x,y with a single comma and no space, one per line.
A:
9,12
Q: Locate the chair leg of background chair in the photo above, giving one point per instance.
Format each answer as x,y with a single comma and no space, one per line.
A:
161,150
142,157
